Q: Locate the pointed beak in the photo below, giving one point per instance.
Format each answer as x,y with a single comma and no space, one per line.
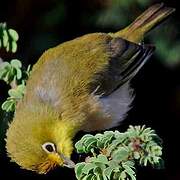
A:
67,162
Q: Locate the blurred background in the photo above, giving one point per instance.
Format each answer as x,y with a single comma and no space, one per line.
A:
46,23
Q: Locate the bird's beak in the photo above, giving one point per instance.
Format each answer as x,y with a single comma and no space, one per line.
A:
67,162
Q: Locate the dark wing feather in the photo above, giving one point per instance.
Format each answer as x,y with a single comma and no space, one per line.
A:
126,59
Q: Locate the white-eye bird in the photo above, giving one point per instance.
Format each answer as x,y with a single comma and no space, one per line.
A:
82,84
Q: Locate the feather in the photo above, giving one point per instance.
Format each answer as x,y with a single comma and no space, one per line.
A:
117,104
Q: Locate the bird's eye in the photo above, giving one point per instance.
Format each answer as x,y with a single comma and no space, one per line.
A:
49,147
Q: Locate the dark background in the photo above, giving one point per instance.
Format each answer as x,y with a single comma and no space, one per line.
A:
42,24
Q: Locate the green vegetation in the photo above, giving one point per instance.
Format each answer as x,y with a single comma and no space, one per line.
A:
114,155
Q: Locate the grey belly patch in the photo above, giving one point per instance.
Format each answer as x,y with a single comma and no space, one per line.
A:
117,104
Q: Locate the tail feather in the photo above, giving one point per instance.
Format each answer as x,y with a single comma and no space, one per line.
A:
152,17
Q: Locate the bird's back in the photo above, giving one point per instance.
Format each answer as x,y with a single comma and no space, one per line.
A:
72,75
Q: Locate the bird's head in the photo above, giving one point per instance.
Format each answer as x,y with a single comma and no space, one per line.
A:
40,140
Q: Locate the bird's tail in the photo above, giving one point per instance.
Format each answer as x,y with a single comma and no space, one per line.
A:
152,17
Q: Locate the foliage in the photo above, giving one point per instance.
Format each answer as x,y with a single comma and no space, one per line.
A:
12,73
116,154
8,38
15,94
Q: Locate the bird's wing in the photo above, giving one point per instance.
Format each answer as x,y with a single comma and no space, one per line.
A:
112,85
126,59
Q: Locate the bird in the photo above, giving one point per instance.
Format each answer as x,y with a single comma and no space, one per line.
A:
80,85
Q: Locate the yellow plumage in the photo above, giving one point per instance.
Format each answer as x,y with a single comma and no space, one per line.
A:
63,92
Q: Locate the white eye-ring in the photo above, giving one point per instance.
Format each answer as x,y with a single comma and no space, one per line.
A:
49,147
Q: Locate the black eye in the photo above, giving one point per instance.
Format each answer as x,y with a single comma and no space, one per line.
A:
49,147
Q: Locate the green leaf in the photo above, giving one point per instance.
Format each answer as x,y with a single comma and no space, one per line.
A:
113,164
128,169
86,136
100,144
19,74
108,172
90,146
21,88
98,136
88,167
78,169
99,164
116,175
5,38
129,163
9,105
99,177
15,93
94,178
3,73
97,170
14,46
102,158
88,177
14,35
121,154
8,47
123,175
79,147
16,63
89,140
5,65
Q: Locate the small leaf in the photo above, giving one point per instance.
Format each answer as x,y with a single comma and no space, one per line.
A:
116,175
100,144
79,147
122,175
21,88
88,167
9,105
121,154
16,63
78,169
5,38
88,177
97,170
3,73
99,177
98,136
86,136
15,93
108,172
5,65
113,164
90,146
14,35
102,158
19,74
129,163
89,140
8,47
14,47
128,169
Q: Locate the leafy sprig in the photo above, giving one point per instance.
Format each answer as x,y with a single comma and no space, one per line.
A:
12,72
8,38
114,155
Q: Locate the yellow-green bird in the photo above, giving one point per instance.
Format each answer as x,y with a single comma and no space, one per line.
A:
82,84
